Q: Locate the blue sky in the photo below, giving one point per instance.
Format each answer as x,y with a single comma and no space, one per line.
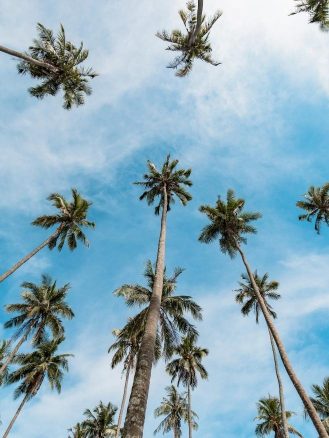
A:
257,123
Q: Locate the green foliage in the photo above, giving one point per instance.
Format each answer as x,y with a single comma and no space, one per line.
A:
246,296
4,353
189,362
42,308
321,401
316,205
36,366
67,73
318,11
172,322
228,223
72,217
168,179
125,348
77,431
175,408
99,422
192,45
269,415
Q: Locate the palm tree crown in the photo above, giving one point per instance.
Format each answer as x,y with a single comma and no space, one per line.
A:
99,422
228,222
247,297
72,217
321,401
38,365
77,431
175,409
66,72
168,180
192,45
316,205
43,306
172,310
125,348
189,362
318,11
269,415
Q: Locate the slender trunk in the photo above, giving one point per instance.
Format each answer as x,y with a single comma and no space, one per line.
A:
281,393
28,256
15,416
134,423
176,434
196,30
14,351
28,59
285,360
189,410
117,434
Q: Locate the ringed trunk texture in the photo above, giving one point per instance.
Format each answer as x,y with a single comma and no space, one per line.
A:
117,434
28,256
14,351
28,59
15,416
134,423
284,357
281,392
198,22
189,411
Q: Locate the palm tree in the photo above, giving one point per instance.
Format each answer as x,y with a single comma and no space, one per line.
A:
56,62
318,11
172,309
230,224
43,306
4,353
34,368
100,421
70,220
125,349
316,205
186,368
175,408
321,401
165,184
269,413
77,431
194,44
246,296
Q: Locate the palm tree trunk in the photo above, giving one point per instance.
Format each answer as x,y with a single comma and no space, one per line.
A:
196,30
117,434
189,410
15,416
14,351
285,360
134,423
28,58
28,256
280,384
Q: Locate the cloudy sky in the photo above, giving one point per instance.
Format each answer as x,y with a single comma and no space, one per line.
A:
257,123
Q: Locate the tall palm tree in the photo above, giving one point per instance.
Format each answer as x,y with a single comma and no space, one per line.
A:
56,62
269,415
194,43
246,296
99,422
186,368
70,220
77,431
172,309
164,184
321,401
316,205
230,224
33,369
318,11
42,308
125,349
175,408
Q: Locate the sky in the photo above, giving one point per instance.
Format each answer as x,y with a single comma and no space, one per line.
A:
257,123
